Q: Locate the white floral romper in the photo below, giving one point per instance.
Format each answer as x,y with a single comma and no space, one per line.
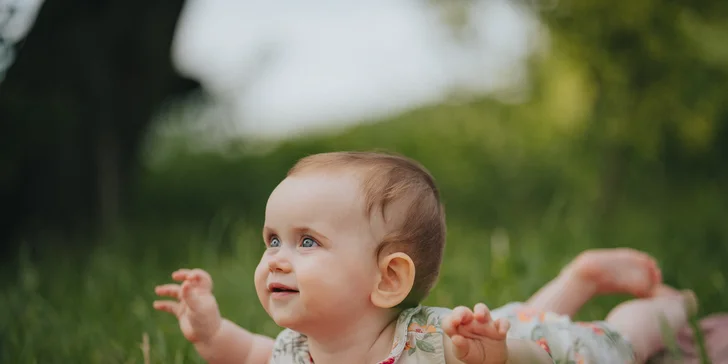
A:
418,338
566,341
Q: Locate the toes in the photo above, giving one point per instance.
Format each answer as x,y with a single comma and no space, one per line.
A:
658,275
653,277
663,290
620,270
691,302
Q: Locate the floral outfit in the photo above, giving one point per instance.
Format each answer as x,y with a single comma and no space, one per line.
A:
418,338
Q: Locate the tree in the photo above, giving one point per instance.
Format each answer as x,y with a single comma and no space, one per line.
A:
75,107
656,71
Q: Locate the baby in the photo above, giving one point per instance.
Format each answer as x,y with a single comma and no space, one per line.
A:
354,244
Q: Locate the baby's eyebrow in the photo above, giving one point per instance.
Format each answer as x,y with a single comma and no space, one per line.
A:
305,230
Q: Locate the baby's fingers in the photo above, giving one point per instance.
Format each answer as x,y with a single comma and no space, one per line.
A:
181,274
191,296
198,277
461,346
168,306
502,326
168,290
489,330
460,316
481,313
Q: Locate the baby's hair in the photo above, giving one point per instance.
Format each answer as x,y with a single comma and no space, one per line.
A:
386,179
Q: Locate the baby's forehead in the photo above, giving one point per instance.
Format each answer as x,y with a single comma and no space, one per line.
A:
321,195
324,184
339,194
366,186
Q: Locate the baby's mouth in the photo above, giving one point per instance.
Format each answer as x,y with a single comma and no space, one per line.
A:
280,288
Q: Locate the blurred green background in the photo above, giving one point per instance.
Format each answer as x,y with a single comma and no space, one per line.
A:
623,143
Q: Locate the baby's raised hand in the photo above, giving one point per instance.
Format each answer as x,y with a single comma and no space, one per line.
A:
195,308
476,338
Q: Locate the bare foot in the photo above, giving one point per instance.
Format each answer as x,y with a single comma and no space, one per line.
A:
663,290
691,302
621,270
689,297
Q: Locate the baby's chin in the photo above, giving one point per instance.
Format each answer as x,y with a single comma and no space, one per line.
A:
290,320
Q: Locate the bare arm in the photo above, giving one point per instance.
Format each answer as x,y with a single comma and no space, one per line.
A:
233,344
217,340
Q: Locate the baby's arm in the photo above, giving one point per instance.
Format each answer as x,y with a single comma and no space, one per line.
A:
232,342
217,340
474,338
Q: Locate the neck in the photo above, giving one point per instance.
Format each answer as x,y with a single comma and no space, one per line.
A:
363,339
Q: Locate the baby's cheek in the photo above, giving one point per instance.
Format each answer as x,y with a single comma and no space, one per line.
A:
259,272
343,283
259,279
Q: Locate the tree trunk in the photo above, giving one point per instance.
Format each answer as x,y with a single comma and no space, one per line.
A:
74,108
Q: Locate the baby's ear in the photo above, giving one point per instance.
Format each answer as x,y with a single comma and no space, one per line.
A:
396,278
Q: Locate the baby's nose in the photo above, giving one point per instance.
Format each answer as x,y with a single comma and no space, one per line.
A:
279,264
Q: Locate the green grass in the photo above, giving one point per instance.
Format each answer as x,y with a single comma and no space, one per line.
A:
63,309
521,204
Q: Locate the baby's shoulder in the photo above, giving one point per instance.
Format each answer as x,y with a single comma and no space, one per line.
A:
419,337
426,313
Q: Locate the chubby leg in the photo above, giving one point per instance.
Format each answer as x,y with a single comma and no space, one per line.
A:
597,272
640,321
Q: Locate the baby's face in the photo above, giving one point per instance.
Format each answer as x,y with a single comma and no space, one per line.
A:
320,264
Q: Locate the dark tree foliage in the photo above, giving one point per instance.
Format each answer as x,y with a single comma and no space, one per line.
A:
74,108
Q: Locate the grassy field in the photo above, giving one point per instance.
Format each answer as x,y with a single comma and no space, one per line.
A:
519,209
64,310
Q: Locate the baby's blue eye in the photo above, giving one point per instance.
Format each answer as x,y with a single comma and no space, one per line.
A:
308,243
275,242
